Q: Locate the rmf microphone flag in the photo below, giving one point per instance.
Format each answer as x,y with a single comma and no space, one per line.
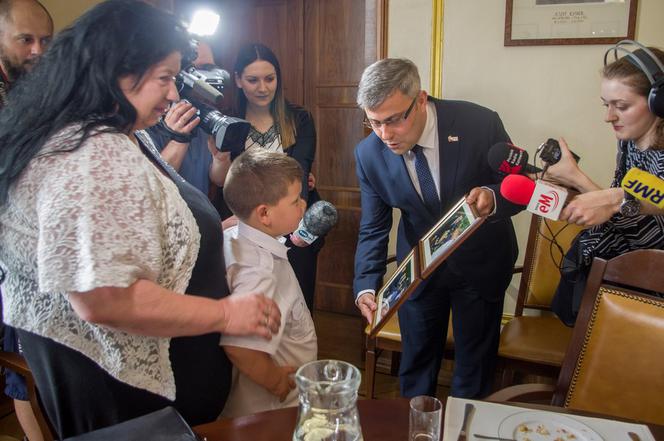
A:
644,186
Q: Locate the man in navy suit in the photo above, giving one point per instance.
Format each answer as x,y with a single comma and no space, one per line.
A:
423,156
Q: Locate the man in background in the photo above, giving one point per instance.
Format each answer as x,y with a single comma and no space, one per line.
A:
197,160
26,28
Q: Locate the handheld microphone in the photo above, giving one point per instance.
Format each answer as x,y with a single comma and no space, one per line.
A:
508,159
644,186
550,152
317,221
542,198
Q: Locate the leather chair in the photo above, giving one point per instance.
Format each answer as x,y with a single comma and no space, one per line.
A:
389,339
536,344
15,362
613,364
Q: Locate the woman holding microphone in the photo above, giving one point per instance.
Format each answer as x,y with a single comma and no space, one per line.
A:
633,96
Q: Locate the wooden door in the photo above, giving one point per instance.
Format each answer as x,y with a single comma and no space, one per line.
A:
342,37
277,24
323,46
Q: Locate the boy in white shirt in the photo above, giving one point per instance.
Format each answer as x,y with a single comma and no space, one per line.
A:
262,189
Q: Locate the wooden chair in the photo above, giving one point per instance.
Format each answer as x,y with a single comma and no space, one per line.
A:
613,364
536,344
17,363
389,339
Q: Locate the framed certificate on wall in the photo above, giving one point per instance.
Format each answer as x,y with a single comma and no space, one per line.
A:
549,22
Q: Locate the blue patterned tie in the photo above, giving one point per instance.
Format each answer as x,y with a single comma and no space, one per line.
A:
427,184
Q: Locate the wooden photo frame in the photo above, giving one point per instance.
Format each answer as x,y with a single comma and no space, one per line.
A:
448,233
557,22
395,291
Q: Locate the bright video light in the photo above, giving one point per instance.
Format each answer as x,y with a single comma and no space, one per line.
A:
204,22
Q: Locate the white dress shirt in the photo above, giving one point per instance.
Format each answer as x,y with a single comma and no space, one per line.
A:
257,262
429,142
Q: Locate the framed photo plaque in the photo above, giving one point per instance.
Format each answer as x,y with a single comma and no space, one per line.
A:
444,237
395,291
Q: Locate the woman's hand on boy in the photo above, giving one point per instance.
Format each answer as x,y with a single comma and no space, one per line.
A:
250,314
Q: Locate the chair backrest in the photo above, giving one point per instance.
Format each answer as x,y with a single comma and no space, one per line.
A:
540,266
614,364
17,363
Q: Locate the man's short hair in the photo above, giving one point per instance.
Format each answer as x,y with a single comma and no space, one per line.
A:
6,9
257,177
383,78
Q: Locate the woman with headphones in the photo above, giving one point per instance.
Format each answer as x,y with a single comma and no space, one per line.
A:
632,91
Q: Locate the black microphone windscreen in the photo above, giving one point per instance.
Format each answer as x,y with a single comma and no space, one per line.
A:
320,218
508,159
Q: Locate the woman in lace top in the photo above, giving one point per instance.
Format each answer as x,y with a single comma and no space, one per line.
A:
618,223
100,239
278,125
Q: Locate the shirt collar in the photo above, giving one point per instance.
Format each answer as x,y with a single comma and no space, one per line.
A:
428,137
275,246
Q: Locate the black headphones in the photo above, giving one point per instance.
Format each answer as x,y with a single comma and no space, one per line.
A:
650,65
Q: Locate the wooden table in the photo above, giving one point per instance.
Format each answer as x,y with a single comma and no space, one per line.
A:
385,420
381,420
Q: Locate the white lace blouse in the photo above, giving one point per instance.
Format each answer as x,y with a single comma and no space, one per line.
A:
101,215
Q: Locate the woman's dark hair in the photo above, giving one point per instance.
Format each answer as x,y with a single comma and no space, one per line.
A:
278,107
631,75
76,80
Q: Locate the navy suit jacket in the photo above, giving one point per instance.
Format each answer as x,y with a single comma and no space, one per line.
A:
466,131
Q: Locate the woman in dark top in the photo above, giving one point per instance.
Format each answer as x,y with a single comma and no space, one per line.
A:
617,222
281,126
100,239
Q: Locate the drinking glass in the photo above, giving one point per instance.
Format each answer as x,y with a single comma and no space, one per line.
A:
425,419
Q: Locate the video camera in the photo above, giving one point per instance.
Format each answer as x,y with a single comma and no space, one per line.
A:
203,88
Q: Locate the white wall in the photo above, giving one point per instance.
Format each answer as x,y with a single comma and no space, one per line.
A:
539,91
409,34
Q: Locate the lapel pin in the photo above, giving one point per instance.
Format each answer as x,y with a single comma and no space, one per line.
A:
451,138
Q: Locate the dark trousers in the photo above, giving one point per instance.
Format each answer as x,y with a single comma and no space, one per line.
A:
423,320
78,396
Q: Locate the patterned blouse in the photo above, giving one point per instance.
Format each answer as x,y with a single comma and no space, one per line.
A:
270,140
622,234
100,215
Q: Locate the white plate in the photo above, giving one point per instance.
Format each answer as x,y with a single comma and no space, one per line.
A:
544,426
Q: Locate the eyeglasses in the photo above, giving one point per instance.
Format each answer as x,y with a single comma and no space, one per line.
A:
390,122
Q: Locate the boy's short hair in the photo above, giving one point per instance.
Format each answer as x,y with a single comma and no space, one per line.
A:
259,176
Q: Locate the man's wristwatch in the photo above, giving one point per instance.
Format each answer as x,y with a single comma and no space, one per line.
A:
630,206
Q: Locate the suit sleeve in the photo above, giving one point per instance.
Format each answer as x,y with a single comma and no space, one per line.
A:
504,208
304,149
375,226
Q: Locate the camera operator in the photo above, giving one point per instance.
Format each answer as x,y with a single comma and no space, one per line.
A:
198,161
619,223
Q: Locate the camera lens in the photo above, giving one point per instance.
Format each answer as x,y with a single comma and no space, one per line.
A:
229,133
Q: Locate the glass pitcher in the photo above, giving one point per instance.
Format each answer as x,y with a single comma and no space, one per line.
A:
328,402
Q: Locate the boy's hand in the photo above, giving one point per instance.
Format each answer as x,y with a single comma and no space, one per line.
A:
285,382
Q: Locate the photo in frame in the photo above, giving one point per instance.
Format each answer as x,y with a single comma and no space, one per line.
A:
448,233
557,22
395,291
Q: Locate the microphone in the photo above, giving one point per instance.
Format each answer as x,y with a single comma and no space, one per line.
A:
644,186
541,198
508,159
317,221
550,152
